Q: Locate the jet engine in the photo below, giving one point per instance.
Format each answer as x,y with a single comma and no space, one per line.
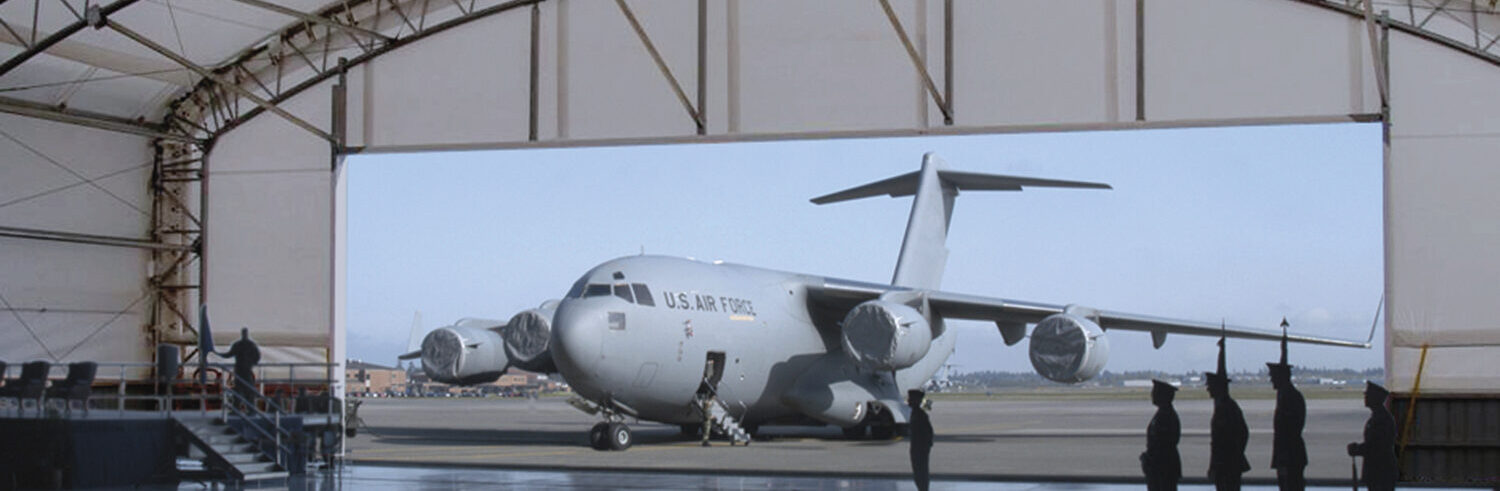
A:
1068,348
882,335
527,338
467,353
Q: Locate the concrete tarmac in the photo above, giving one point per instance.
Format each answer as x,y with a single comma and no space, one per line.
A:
1068,439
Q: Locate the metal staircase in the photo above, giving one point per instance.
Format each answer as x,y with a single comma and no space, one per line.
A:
218,445
245,442
725,423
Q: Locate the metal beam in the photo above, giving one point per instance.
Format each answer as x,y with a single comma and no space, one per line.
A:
661,64
84,118
916,62
317,78
77,238
316,19
139,39
890,133
56,37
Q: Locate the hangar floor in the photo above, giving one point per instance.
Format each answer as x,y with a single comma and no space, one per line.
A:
1088,438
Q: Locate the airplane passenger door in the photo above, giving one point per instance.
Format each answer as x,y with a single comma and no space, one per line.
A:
713,372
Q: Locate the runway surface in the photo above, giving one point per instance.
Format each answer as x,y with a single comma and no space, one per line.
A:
1070,439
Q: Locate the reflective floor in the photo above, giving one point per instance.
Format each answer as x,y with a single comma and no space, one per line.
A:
381,477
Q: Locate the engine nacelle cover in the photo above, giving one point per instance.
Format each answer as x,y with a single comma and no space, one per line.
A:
527,339
470,352
1068,348
881,335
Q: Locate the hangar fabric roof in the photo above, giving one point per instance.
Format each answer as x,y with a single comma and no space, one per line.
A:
190,69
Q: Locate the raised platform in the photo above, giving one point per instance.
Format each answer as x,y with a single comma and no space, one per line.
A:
103,448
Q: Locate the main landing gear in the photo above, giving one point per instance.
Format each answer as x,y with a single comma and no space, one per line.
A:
611,435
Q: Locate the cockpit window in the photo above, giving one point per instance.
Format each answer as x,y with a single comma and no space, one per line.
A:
623,291
577,290
642,295
596,290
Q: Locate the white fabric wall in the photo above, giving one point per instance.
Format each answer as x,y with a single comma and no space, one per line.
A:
269,246
1443,270
94,296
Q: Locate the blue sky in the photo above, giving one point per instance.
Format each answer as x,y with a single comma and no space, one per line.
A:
1243,224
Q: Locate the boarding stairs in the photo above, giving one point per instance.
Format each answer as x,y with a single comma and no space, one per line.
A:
726,424
245,442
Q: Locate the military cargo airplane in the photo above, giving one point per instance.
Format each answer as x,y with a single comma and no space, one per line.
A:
679,341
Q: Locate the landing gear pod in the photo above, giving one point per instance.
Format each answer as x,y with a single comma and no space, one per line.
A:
470,352
884,336
528,336
1068,348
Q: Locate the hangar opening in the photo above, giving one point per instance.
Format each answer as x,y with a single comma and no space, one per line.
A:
1247,224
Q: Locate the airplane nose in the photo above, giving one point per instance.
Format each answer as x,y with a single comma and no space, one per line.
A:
577,335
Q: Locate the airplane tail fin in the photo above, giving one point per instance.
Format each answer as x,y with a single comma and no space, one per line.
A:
923,250
413,343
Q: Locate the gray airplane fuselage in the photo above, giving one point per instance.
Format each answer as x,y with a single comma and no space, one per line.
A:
648,356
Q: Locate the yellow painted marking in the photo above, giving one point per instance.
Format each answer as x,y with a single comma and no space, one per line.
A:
747,318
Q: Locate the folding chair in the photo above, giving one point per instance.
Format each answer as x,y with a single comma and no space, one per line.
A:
30,387
77,387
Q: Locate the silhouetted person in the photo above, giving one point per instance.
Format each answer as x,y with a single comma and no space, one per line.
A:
1227,432
1160,461
1379,447
921,438
708,402
246,354
1288,451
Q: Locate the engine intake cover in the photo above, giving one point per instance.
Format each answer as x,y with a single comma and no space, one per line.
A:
1068,348
527,339
464,354
881,335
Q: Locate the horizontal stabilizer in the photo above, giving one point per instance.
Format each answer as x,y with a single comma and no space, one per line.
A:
906,185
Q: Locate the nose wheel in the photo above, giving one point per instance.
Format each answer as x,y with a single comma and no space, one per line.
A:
611,436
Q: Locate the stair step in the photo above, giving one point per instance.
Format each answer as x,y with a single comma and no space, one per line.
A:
242,458
261,476
256,468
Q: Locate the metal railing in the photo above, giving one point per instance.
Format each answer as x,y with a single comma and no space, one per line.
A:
266,424
122,375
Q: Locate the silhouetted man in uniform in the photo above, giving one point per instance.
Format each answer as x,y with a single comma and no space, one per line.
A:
921,438
707,390
1379,447
1288,452
246,354
1160,461
1227,431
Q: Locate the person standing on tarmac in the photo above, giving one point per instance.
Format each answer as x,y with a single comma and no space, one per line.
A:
1379,447
1228,433
921,438
1288,451
1160,461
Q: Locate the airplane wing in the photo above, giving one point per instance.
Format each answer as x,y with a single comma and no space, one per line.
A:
1011,316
